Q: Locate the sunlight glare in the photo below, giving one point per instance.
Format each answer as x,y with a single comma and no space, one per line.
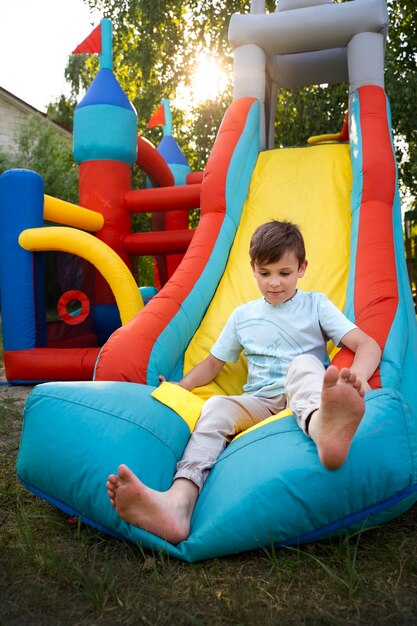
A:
208,81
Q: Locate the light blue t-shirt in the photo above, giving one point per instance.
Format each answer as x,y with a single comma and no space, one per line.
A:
271,336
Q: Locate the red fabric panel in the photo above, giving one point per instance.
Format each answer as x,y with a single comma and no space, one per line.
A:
78,341
194,178
160,242
153,164
158,117
213,190
177,221
177,201
103,185
164,199
376,289
90,44
48,364
65,299
344,133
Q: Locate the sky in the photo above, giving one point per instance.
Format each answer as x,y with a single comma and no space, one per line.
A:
36,37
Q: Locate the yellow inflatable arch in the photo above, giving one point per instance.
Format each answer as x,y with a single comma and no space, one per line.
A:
65,239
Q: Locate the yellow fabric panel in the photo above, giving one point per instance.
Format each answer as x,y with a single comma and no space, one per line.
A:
186,404
309,186
324,138
61,212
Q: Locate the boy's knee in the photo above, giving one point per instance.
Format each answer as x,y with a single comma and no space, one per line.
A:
217,415
302,361
215,403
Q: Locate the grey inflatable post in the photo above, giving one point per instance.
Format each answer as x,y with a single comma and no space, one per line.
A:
306,42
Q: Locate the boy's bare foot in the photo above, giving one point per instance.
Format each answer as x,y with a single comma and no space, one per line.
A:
334,425
163,513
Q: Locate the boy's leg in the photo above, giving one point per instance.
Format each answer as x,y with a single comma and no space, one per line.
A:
331,415
168,514
222,418
163,513
303,385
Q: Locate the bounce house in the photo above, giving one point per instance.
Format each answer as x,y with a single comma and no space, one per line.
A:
268,486
94,241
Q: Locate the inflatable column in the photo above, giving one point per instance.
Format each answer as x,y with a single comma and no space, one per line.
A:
21,202
178,164
105,149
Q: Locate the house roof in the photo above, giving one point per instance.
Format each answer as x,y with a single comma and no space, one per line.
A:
29,109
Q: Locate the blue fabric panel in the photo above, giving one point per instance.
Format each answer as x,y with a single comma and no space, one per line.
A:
379,513
272,479
148,293
106,90
180,173
171,151
40,314
106,55
21,207
242,165
289,497
400,355
401,344
104,131
356,199
75,434
392,364
69,510
106,319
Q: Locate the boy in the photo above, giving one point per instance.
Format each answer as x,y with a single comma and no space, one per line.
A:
284,335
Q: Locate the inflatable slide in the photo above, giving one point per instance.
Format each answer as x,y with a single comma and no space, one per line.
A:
268,487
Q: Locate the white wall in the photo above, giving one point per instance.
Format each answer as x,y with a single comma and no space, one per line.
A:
14,112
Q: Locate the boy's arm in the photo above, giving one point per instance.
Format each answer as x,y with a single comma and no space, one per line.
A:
367,354
201,374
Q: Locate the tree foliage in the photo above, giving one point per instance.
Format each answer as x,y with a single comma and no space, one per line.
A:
62,111
41,148
401,86
156,44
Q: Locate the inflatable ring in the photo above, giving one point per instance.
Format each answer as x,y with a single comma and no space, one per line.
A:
77,317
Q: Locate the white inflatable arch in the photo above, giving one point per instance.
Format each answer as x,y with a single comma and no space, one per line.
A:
306,42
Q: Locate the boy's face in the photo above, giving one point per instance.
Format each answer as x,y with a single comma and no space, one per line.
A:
277,281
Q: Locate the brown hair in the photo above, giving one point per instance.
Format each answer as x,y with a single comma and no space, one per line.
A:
272,240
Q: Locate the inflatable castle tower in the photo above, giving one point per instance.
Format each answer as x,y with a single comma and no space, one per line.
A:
100,294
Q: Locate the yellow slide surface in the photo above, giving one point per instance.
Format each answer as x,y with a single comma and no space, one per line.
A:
310,186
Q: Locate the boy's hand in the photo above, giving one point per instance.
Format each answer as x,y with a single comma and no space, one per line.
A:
162,379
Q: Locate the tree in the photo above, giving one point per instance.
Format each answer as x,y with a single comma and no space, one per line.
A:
41,148
401,86
156,44
62,111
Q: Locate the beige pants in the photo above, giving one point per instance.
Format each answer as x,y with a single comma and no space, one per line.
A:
223,417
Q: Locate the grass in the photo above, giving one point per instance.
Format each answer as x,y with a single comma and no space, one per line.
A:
54,570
